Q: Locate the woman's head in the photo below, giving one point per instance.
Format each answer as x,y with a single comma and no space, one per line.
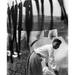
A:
56,43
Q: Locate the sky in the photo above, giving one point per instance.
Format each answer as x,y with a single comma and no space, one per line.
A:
56,7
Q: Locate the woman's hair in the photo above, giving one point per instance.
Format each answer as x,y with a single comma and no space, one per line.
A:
56,43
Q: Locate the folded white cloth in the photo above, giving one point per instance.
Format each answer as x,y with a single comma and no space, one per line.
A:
46,71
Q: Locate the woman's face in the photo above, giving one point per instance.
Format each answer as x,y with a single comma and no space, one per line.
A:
55,45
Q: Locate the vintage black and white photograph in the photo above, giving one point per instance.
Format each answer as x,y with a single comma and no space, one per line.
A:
37,37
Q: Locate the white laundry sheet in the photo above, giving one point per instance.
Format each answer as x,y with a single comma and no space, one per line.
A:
61,54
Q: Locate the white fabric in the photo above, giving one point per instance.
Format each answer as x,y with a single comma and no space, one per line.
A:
61,54
45,50
46,71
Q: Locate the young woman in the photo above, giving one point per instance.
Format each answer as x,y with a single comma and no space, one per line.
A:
45,51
